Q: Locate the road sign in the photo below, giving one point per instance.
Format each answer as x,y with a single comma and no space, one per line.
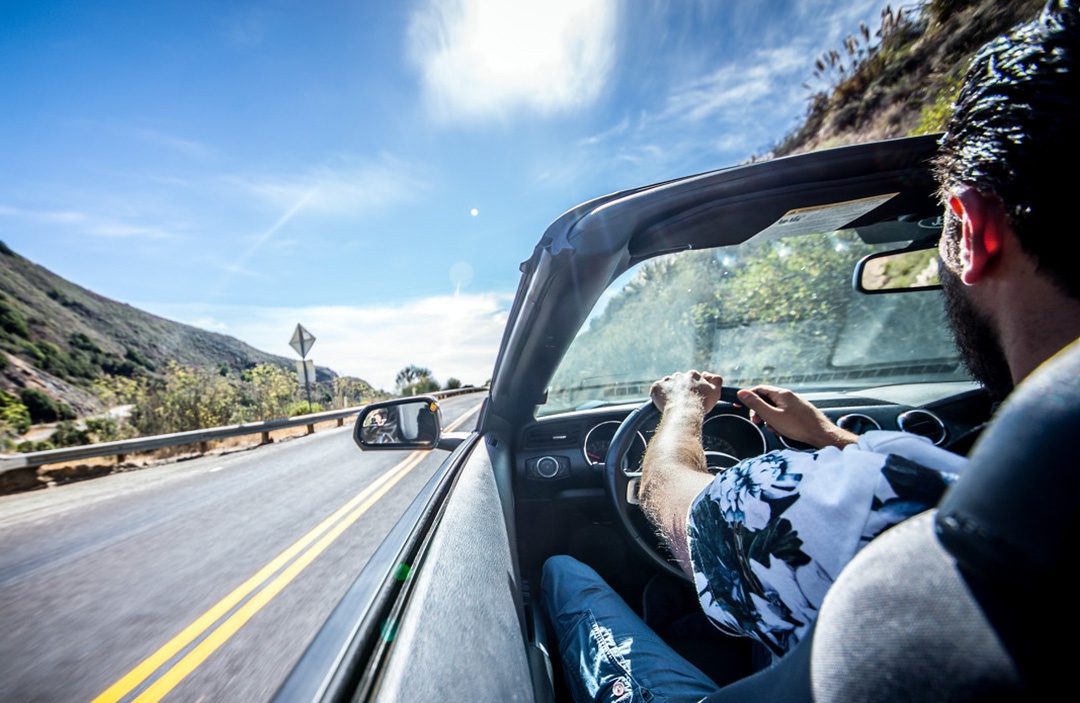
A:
305,373
301,341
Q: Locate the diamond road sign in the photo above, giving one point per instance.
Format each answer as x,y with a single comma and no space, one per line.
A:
302,341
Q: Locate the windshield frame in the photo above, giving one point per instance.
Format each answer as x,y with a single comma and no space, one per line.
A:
591,245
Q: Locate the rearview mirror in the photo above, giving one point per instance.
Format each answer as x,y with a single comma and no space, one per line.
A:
406,423
914,268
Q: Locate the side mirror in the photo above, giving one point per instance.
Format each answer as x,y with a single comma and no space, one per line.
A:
405,423
901,270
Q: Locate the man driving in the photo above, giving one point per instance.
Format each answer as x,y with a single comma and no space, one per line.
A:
765,539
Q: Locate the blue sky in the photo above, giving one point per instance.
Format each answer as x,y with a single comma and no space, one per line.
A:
373,170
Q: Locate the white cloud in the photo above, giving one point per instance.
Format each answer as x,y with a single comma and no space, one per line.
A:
122,230
484,59
88,223
185,146
45,216
454,336
729,93
347,190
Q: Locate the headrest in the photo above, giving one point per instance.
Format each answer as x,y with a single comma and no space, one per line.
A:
1013,514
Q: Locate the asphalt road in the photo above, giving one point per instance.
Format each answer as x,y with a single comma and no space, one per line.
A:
202,580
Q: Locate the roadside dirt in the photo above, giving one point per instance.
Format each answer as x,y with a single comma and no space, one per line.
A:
51,475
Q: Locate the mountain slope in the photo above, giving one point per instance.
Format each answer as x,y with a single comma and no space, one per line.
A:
58,337
901,79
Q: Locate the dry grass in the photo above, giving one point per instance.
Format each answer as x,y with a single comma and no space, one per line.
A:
907,85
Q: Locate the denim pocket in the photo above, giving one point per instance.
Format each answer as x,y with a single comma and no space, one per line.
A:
601,663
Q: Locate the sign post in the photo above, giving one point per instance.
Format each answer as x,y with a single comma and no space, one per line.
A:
302,341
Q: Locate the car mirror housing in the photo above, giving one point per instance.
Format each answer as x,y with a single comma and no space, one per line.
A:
899,270
405,423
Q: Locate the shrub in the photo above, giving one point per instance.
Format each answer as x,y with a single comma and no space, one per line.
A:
104,429
12,321
39,404
28,446
68,434
934,115
184,399
135,357
13,414
269,391
79,340
301,407
113,366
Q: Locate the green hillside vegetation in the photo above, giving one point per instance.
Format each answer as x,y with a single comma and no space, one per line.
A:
67,353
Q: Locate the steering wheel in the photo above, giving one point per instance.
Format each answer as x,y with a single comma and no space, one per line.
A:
622,488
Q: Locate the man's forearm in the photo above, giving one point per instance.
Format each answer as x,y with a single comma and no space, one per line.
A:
674,473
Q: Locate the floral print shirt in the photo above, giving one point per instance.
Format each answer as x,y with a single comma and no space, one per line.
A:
769,535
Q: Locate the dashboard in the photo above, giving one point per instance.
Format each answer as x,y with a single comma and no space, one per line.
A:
562,456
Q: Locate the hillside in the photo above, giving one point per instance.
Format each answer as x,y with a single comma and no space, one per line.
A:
900,78
58,337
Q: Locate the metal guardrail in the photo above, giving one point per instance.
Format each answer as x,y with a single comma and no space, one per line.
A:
123,447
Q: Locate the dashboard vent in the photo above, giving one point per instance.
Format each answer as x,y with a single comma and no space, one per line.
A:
924,423
858,423
553,435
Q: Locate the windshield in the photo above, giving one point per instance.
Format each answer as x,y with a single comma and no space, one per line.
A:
779,311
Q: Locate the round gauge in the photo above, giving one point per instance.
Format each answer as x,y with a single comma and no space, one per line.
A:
728,439
716,462
599,438
795,444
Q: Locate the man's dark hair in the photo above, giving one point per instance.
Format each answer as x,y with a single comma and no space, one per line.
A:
1013,132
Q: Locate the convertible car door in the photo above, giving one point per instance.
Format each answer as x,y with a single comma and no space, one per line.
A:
438,612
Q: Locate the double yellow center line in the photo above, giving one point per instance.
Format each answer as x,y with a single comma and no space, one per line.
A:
267,583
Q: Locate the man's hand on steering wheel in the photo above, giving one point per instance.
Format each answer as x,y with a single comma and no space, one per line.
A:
788,413
701,387
676,453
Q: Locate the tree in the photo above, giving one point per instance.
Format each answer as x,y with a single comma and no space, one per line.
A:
39,404
185,399
269,391
415,380
355,391
14,417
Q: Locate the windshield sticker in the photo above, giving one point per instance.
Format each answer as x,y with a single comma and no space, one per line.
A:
821,218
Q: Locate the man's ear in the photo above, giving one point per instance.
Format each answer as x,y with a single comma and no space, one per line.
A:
982,219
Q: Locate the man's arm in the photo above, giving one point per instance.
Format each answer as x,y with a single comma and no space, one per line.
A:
789,414
673,471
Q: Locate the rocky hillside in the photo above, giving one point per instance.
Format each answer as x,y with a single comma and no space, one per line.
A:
900,78
58,337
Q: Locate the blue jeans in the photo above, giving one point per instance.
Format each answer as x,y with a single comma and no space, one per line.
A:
608,652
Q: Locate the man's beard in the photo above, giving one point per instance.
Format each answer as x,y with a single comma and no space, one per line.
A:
975,337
